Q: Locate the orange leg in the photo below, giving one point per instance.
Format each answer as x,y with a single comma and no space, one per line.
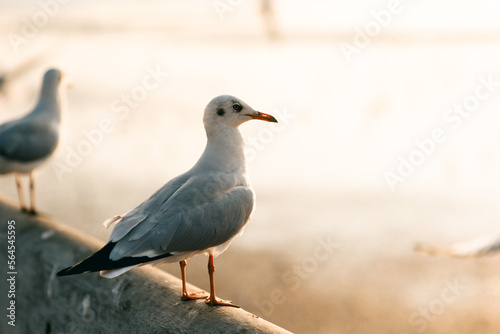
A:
19,185
212,300
185,295
32,194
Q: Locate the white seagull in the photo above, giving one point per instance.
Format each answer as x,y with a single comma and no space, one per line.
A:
28,142
200,211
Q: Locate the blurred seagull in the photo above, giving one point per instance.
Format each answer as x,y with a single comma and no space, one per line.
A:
200,211
481,246
28,142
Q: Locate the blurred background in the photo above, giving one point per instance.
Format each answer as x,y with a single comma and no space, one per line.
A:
387,136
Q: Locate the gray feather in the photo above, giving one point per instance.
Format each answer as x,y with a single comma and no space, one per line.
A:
28,139
203,212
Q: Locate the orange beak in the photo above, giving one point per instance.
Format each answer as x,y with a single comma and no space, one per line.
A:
263,117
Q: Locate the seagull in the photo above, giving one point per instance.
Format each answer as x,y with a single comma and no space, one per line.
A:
28,142
198,212
478,247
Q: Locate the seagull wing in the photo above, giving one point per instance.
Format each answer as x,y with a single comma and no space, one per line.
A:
27,139
485,245
202,212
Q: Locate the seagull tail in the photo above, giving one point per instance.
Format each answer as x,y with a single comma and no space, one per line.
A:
100,261
115,272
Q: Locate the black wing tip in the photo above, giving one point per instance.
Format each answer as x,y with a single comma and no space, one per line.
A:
90,264
100,261
74,270
63,272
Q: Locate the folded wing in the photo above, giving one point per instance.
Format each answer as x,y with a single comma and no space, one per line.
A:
27,141
199,213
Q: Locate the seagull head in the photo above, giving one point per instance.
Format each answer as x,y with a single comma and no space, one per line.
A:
230,111
52,78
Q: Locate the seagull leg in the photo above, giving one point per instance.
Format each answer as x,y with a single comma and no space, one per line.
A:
212,300
19,185
185,295
32,194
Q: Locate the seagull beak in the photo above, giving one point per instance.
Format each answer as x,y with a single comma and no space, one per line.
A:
67,81
263,117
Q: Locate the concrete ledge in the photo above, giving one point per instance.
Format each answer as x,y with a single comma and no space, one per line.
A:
144,300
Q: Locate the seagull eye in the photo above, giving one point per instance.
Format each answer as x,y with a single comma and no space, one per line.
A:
237,107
